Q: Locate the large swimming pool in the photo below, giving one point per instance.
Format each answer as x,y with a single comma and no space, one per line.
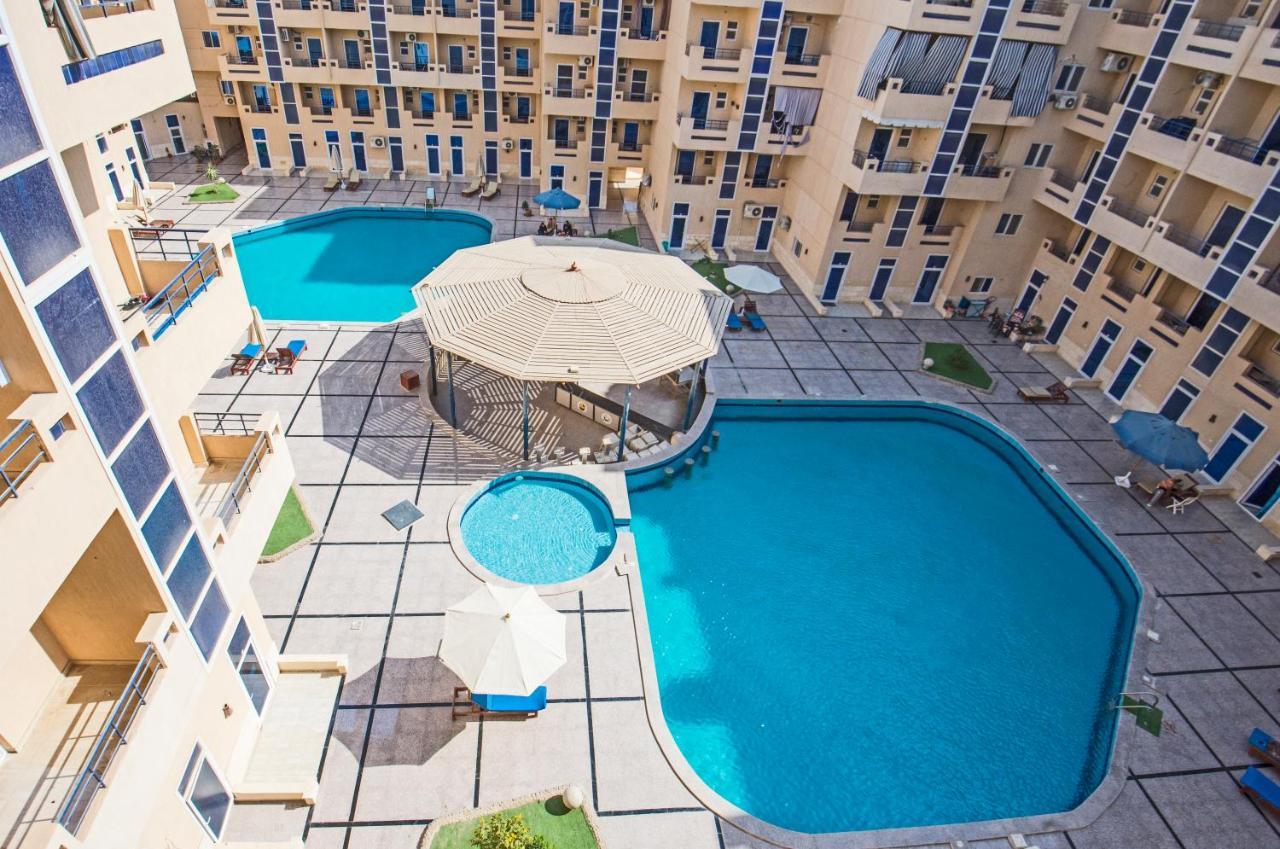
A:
353,264
881,615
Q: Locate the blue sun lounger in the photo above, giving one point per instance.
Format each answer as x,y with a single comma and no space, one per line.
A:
244,362
1264,747
733,323
757,323
487,703
1256,784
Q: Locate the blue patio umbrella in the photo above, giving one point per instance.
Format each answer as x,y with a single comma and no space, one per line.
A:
1159,440
556,199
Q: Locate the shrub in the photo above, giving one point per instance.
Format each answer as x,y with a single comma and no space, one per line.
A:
507,831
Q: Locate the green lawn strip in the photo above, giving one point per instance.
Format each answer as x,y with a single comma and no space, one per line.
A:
626,235
564,829
954,362
213,193
714,271
291,525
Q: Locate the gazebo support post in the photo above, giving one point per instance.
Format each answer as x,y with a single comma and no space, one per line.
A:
432,379
622,425
525,411
453,406
693,395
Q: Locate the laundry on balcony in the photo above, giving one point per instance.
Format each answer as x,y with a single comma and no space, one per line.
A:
925,62
794,108
1020,72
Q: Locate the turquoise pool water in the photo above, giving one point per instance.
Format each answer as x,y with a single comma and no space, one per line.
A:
538,528
355,264
881,615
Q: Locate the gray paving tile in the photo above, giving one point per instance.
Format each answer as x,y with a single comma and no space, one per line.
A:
807,355
1113,509
352,579
935,389
663,831
636,776
1165,565
386,837
1209,812
1222,711
834,383
882,384
1026,422
423,749
1227,627
361,640
792,327
551,749
842,330
277,586
860,355
886,330
1233,562
1130,821
754,353
1177,749
317,459
770,383
341,766
1179,649
1067,461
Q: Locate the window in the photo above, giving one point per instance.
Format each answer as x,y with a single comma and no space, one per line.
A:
102,143
1158,185
981,285
797,248
1204,99
722,99
731,30
211,38
904,137
1008,224
205,792
228,88
1069,78
873,201
708,158
1038,155
244,658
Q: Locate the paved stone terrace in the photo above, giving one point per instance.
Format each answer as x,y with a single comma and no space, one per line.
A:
395,760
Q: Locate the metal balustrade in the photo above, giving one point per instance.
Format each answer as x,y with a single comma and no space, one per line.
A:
20,453
242,486
1215,29
164,307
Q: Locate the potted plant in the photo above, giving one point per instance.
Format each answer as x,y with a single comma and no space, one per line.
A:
524,204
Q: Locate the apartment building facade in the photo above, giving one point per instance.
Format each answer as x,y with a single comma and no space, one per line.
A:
139,675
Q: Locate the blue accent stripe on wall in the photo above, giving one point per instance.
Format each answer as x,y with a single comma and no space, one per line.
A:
761,66
380,41
1175,19
1245,245
489,66
606,64
901,223
1092,262
105,63
289,103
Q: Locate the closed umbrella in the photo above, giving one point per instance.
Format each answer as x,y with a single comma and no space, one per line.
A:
1158,440
503,640
752,278
257,328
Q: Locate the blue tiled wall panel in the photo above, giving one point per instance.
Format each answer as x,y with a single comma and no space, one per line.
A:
18,137
111,402
210,620
166,526
105,63
77,324
141,468
188,578
34,221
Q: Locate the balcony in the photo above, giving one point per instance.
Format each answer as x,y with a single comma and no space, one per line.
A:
635,106
870,176
1123,223
893,103
562,100
21,453
979,182
519,80
1173,321
1181,252
1263,379
1130,31
307,71
569,40
637,45
1239,164
233,12
1169,141
1051,20
714,64
1211,45
460,76
705,133
800,69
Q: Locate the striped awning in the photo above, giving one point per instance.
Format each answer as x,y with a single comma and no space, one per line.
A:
942,62
877,65
1005,67
1032,92
909,56
547,309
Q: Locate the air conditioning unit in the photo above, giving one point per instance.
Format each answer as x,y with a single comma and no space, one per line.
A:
229,100
784,223
646,181
1065,100
284,34
361,34
1208,79
508,144
586,61
1115,63
753,210
413,36
379,142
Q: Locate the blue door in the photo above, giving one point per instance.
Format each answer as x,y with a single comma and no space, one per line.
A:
315,52
1233,446
698,109
1031,291
720,228
1060,321
298,150
556,176
630,135
764,232
140,138
526,10
679,217
421,56
333,149
561,131
351,50
455,156
522,108
455,58
260,148
362,102
449,8
326,100
1129,370
1179,400
526,158
880,283
835,276
433,155
522,61
114,180
1264,494
427,103
261,99
1101,347
244,48
357,151
646,21
684,163
595,189
397,154
133,166
933,268
491,159
564,19
461,106
760,174
796,39
709,38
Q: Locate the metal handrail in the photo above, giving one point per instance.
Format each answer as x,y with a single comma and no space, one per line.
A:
1215,29
636,96
928,87
114,734
702,123
1176,128
563,91
889,166
146,240
561,29
1132,17
164,307
230,424
1186,239
1056,8
1250,150
809,60
640,35
1061,180
730,54
977,169
1170,319
15,467
229,507
1097,104
1129,212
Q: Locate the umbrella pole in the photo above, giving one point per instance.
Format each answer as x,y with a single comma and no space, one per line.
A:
622,426
432,379
453,406
693,395
525,410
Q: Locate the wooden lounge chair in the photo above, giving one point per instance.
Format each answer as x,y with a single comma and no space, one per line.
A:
1055,393
151,229
332,183
1255,783
245,361
474,186
467,703
287,357
353,180
490,190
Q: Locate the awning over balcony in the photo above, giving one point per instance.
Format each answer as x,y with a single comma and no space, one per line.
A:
1020,71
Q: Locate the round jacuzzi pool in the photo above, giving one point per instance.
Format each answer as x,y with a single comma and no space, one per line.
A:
538,528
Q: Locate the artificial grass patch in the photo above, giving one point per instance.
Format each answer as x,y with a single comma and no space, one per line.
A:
292,525
563,829
626,235
954,362
213,193
714,271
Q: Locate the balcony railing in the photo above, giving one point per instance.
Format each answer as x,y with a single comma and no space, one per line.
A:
114,735
702,123
566,144
1062,181
1097,104
725,54
1214,29
862,159
416,9
1056,8
415,66
566,29
640,35
306,62
1186,239
925,87
1178,128
164,307
565,91
975,169
968,4
808,60
1134,18
226,424
636,96
1264,379
241,59
1271,281
20,453
107,8
362,111
1173,321
1247,149
1126,292
1129,212
172,243
1060,251
356,65
242,486
452,10
762,182
520,15
630,146
455,68
260,108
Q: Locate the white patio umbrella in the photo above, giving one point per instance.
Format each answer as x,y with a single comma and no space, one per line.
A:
503,640
752,278
257,328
